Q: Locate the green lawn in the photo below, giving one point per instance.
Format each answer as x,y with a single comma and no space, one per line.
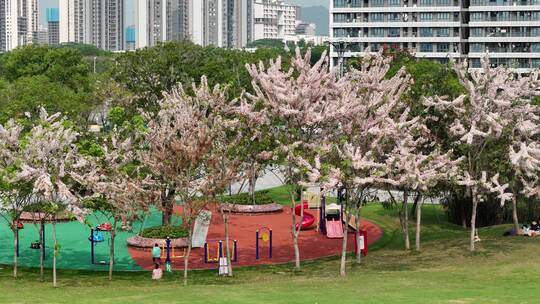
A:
503,270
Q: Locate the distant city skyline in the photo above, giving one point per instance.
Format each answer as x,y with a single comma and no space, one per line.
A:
130,8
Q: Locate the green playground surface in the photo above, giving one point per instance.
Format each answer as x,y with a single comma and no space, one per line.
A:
75,248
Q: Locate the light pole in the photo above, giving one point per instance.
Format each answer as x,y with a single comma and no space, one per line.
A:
340,46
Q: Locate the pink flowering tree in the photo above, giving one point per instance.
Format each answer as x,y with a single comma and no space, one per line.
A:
15,196
524,154
50,163
120,190
481,116
187,145
296,105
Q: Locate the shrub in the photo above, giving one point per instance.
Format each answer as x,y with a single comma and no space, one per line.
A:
261,198
162,232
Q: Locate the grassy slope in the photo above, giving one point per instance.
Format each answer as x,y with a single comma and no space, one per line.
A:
502,270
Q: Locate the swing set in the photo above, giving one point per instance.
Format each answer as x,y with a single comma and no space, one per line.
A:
218,245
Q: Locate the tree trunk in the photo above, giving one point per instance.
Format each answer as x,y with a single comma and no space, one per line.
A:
404,218
225,217
55,251
357,234
514,213
473,216
15,244
418,221
296,234
111,251
463,215
252,182
343,264
186,258
41,250
167,204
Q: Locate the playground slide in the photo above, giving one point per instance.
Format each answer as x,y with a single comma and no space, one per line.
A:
334,230
309,219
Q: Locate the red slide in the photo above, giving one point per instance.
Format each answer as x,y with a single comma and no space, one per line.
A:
309,219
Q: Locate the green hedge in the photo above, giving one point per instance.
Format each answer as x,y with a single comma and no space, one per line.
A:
162,232
261,198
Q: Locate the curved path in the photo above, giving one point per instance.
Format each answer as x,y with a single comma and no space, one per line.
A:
242,228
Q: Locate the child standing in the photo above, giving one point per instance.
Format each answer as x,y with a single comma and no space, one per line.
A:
156,254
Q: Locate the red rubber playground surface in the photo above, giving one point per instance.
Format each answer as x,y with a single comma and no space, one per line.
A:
242,228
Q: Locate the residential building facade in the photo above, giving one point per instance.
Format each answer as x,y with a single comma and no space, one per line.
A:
273,19
223,23
438,29
53,26
161,20
18,23
97,22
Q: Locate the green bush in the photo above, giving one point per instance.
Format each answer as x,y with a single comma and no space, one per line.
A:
162,232
261,198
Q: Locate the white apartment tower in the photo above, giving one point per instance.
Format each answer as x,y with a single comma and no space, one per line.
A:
161,20
18,23
508,29
273,19
73,20
223,23
97,22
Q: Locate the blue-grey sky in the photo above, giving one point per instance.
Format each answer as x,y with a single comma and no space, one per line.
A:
130,7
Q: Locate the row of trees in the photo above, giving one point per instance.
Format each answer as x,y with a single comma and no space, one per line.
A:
367,130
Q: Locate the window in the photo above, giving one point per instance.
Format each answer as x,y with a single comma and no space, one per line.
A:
477,16
426,16
443,32
443,47
476,32
477,47
443,16
377,32
377,17
426,47
426,32
393,32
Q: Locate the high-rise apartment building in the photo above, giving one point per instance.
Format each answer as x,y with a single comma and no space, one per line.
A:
223,23
161,20
73,20
106,24
97,22
18,23
508,29
53,26
273,19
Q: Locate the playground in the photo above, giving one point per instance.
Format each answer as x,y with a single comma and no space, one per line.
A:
243,227
270,233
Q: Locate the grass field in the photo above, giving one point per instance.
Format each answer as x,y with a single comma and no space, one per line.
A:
503,270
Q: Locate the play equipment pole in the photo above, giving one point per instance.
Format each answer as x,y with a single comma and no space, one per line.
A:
168,256
205,253
43,238
92,245
235,252
270,250
257,244
220,250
